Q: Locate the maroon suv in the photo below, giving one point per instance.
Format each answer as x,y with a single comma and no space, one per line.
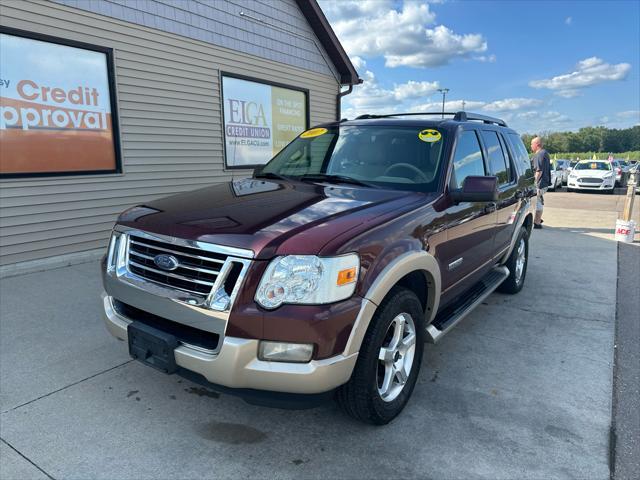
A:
327,271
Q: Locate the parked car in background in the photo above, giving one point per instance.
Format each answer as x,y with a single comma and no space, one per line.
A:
634,168
621,172
592,175
556,178
572,164
564,168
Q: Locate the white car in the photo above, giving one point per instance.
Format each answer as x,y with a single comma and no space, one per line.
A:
592,175
563,166
556,179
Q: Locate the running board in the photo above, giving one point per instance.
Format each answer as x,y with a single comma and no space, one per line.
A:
451,315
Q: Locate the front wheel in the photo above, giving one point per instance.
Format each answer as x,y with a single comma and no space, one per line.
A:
517,264
389,361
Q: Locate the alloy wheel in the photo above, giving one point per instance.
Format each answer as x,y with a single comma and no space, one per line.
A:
395,359
520,260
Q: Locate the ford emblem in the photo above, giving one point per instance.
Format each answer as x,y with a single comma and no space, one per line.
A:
166,262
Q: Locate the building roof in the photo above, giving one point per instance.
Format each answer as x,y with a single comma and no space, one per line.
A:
320,26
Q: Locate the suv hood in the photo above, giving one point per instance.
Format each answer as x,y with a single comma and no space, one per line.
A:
269,217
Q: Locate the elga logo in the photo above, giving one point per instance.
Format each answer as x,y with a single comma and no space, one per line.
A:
247,119
166,262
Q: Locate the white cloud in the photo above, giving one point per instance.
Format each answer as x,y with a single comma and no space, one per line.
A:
413,89
528,115
358,62
510,104
539,121
403,36
486,58
590,71
371,97
568,20
450,106
571,93
504,105
341,10
634,114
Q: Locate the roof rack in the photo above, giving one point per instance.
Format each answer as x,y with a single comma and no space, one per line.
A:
464,116
457,116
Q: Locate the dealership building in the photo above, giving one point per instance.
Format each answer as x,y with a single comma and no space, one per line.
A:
112,103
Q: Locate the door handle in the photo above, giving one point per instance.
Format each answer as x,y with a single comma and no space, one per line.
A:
490,207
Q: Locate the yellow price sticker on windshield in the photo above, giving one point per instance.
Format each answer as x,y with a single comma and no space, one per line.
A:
314,132
429,136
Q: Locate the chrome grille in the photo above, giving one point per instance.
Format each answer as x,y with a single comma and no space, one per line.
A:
197,269
590,180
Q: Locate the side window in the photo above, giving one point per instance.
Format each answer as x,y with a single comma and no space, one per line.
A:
520,152
467,160
497,162
508,156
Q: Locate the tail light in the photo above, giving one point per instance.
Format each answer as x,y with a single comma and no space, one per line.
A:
618,170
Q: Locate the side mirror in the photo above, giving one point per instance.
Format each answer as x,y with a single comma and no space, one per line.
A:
476,189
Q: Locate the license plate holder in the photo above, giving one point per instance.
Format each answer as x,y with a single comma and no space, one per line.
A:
152,347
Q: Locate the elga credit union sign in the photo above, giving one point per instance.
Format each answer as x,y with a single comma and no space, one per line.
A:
259,120
55,108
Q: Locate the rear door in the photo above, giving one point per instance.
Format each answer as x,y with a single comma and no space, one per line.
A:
470,225
501,165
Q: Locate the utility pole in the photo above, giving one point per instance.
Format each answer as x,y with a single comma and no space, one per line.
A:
463,104
444,92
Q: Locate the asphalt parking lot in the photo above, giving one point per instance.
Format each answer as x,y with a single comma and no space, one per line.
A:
521,389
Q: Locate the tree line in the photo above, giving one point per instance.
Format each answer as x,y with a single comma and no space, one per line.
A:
592,140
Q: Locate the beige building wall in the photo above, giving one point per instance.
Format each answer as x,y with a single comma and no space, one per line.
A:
170,129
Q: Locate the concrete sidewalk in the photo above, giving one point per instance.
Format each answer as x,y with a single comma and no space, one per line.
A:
520,389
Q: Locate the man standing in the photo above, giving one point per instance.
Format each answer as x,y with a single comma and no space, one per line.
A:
542,167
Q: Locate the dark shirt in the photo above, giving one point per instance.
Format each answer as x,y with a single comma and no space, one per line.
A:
542,163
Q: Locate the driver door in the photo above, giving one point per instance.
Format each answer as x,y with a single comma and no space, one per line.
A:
468,251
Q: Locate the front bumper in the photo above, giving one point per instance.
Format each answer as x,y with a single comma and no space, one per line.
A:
236,363
607,184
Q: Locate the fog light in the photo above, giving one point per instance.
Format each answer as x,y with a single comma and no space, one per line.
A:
285,352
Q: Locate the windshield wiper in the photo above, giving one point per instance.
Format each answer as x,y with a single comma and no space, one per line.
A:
325,177
273,176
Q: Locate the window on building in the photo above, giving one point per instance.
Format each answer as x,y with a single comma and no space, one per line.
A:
56,107
260,119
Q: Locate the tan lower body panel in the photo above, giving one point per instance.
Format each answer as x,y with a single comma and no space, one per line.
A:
237,364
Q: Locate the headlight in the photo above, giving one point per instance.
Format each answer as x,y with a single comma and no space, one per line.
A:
573,176
308,279
608,175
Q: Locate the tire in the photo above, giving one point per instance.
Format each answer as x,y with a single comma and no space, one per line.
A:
362,397
515,281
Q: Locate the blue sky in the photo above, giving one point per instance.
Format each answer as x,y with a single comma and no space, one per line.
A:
542,66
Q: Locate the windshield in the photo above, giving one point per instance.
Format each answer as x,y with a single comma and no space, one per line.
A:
402,158
593,166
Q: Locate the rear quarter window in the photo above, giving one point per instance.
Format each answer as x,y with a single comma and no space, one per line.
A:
498,164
